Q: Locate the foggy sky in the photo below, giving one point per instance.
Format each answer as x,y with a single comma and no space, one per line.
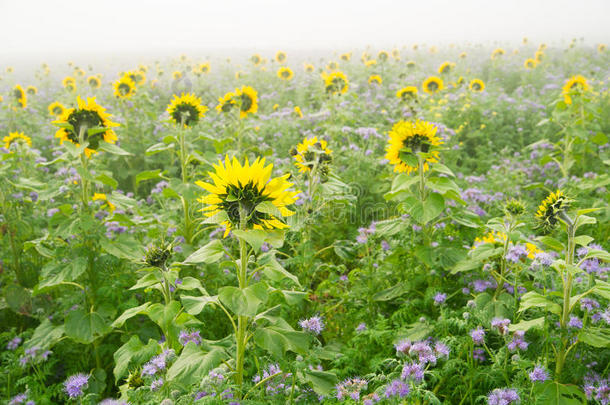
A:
41,29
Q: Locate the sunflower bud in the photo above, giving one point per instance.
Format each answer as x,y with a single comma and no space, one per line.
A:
156,256
514,207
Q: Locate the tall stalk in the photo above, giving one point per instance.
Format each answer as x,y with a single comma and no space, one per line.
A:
242,321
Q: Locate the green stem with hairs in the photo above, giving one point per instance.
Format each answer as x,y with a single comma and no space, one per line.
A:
242,321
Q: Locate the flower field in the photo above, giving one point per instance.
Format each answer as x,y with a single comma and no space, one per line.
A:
418,225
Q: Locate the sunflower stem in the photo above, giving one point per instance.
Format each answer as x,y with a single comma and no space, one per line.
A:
242,321
183,166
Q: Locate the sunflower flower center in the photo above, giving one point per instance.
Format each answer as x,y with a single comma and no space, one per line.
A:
245,197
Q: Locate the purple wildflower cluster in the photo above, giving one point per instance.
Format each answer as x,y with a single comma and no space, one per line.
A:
478,335
363,233
189,336
14,343
157,363
33,355
597,388
274,385
351,388
314,325
396,389
504,396
21,399
539,374
518,342
501,325
74,385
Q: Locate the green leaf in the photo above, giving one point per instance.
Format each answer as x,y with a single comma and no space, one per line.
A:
424,212
554,393
55,274
583,220
527,325
107,180
130,313
598,254
441,168
532,299
85,327
133,353
390,293
274,270
267,207
596,337
210,253
322,382
45,335
243,302
149,279
254,237
18,298
551,242
194,305
112,148
158,147
194,363
278,341
602,288
583,240
147,175
123,249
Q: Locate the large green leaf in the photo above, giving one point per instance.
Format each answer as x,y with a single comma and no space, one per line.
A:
278,341
61,272
596,337
243,302
210,253
322,382
532,299
45,335
130,313
85,327
18,298
426,211
554,393
193,364
133,352
194,305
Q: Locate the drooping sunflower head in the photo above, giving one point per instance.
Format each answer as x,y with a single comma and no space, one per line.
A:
15,138
138,76
460,81
407,93
550,210
375,79
309,68
186,109
497,53
574,86
370,62
245,196
56,109
285,73
406,140
446,67
31,90
20,96
346,56
245,98
433,85
280,57
336,83
383,56
476,85
256,59
69,83
86,116
312,153
94,82
530,63
125,87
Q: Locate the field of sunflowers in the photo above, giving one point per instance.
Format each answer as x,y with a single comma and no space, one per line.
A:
419,225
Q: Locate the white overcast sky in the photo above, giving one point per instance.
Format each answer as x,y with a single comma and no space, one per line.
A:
69,28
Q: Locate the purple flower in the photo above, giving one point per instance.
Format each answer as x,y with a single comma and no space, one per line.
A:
440,298
478,335
575,322
313,325
501,325
412,371
538,374
156,384
18,399
503,397
403,346
361,327
385,245
191,336
14,343
515,253
74,385
588,304
518,341
479,354
397,388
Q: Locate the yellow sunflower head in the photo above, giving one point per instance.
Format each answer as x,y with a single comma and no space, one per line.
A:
177,75
476,85
125,87
525,40
539,56
574,86
601,48
312,153
77,122
463,55
383,56
406,140
106,203
94,82
309,68
446,67
245,98
280,57
285,73
297,112
245,196
551,209
138,76
20,96
69,83
497,53
56,109
346,56
433,85
530,63
370,62
186,109
336,83
204,68
17,138
375,79
31,90
407,93
79,72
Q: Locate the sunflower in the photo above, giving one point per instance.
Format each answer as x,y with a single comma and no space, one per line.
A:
550,210
177,75
525,40
370,62
246,98
383,56
280,57
285,73
124,87
9,69
238,190
31,90
256,59
463,55
539,56
445,67
20,97
102,197
16,137
309,68
88,115
204,68
312,153
411,64
492,237
79,72
297,112
407,93
601,48
408,138
396,54
415,47
375,79
56,109
460,80
336,83
69,83
575,85
187,107
542,47
497,53
532,250
433,85
94,82
346,57
476,85
332,66
530,63
138,76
